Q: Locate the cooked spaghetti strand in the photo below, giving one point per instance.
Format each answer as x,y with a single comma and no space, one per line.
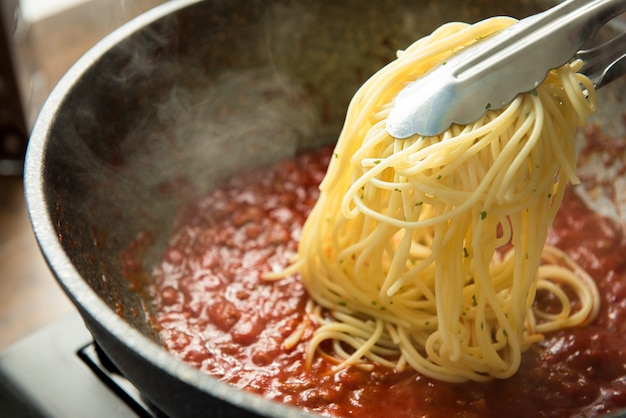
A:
428,252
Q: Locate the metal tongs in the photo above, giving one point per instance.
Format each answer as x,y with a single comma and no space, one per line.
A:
491,72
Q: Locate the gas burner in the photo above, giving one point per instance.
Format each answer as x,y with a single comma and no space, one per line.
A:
59,371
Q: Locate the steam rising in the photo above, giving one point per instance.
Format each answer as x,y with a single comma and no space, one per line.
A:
242,119
154,120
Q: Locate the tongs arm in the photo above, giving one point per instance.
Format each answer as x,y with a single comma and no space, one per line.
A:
492,71
604,63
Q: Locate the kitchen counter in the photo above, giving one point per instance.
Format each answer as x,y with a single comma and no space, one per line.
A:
29,295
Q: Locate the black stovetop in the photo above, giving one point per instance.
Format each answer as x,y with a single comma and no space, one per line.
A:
59,372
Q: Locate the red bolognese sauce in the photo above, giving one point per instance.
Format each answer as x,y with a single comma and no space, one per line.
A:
216,312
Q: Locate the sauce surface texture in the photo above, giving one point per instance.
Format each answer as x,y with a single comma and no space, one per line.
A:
215,312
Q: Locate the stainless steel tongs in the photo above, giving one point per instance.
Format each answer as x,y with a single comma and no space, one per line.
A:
491,72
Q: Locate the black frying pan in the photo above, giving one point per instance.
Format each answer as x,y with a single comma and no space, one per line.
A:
177,96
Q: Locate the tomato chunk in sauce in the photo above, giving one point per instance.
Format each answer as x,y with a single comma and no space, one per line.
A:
216,312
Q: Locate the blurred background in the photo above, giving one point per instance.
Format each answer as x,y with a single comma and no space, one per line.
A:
39,42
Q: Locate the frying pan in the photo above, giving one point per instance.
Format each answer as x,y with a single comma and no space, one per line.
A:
183,97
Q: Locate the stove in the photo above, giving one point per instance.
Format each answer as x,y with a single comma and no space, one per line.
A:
59,371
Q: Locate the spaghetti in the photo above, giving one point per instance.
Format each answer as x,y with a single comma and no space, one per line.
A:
429,252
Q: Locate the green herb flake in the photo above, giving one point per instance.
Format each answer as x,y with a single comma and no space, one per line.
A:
474,300
336,155
377,162
483,215
465,252
506,334
420,203
488,106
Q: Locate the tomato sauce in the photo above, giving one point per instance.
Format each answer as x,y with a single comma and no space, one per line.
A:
216,312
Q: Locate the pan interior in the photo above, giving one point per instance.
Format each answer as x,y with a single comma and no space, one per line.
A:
170,110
